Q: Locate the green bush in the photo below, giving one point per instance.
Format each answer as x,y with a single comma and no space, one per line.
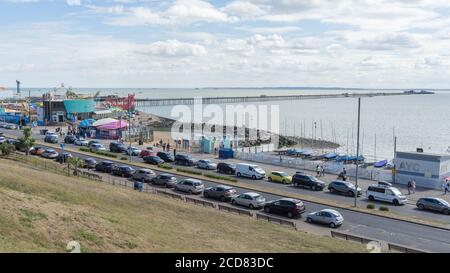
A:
165,166
220,177
384,208
184,170
123,158
371,206
103,153
84,149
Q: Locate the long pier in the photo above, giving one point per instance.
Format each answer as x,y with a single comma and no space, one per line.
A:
262,98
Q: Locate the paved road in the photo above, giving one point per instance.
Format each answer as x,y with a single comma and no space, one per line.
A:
372,226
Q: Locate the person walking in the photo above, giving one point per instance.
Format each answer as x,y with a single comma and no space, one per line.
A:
413,186
409,187
322,170
447,187
317,171
168,147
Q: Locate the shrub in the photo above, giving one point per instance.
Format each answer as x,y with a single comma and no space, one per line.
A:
184,170
220,177
165,166
7,148
384,208
84,149
104,153
123,158
371,206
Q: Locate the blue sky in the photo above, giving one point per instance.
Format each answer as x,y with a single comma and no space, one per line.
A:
197,43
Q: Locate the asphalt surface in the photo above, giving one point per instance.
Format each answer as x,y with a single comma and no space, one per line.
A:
376,227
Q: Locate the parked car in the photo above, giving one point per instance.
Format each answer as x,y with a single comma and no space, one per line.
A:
51,139
154,160
206,164
89,163
192,186
251,200
117,147
96,147
386,194
144,175
81,142
134,151
92,142
280,177
228,168
147,152
105,166
63,157
47,133
329,217
10,126
434,204
50,153
308,181
165,179
221,192
249,170
2,139
124,171
345,187
37,151
70,139
285,206
384,183
182,159
166,156
11,141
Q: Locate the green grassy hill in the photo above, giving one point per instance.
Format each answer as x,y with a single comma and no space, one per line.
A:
42,212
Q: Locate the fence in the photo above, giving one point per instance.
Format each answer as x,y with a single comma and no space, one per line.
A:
403,249
235,210
271,219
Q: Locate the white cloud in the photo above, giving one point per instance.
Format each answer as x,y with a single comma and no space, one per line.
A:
174,48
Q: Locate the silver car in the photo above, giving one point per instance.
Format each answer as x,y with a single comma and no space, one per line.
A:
192,186
165,179
344,187
206,164
97,147
433,203
144,175
330,217
81,142
50,153
249,199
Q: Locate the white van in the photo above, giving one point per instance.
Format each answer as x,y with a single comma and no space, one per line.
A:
386,194
249,170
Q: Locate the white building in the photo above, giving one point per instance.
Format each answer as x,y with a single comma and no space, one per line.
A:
427,169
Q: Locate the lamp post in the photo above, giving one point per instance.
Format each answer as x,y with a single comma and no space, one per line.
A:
357,151
129,128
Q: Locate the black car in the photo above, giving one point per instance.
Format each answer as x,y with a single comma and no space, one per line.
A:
228,168
167,157
186,160
63,157
51,139
105,166
285,206
165,179
70,139
89,163
307,181
154,160
117,147
124,171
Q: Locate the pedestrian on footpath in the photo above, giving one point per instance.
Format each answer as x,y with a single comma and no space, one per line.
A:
322,170
409,187
318,171
447,187
413,185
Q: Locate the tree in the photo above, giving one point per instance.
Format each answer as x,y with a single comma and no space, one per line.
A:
27,141
7,148
76,163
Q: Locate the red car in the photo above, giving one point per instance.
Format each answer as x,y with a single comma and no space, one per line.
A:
145,153
37,151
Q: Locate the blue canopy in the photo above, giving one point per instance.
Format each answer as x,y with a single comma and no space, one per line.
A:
380,164
86,123
330,155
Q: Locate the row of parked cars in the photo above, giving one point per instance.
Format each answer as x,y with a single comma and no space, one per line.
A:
383,192
289,207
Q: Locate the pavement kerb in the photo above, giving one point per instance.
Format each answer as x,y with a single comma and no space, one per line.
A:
255,188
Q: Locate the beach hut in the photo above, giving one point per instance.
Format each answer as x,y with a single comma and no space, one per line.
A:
109,128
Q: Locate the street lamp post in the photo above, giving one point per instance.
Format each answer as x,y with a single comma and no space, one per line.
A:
129,128
357,151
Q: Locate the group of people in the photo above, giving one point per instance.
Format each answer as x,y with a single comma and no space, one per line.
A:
411,186
343,175
165,146
320,171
